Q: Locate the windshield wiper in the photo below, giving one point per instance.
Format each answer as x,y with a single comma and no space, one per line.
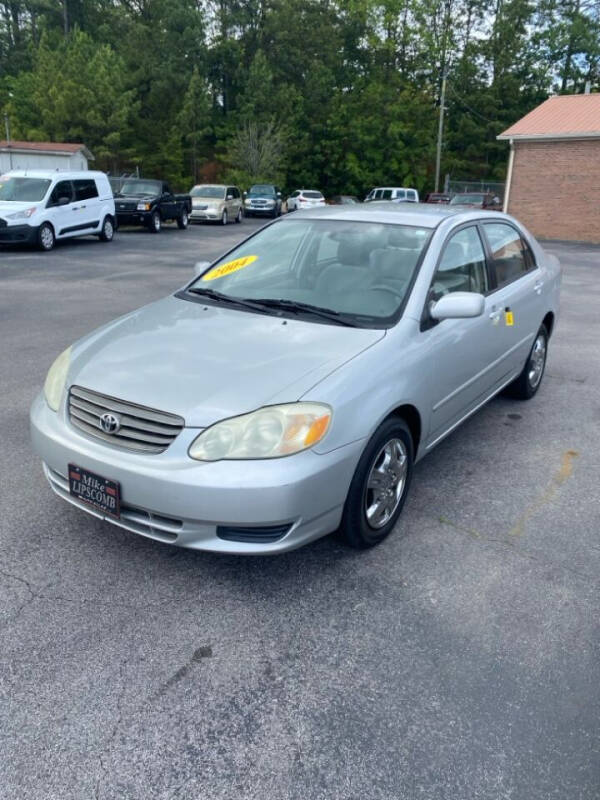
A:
225,298
308,308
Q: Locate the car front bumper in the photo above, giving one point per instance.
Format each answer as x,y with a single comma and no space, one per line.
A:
172,498
198,214
251,211
134,217
18,234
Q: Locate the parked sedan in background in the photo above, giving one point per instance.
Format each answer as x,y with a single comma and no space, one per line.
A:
342,200
477,200
216,203
289,388
437,197
304,198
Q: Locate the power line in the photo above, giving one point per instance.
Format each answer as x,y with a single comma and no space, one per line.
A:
472,110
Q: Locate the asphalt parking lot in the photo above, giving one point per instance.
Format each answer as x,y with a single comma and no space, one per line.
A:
458,660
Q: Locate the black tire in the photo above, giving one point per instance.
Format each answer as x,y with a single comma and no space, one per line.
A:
240,216
357,529
45,237
529,381
183,220
224,218
155,222
108,230
274,213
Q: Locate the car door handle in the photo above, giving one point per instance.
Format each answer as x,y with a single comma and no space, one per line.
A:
495,315
538,286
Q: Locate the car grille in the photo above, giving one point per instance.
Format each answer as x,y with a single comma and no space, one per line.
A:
126,206
142,429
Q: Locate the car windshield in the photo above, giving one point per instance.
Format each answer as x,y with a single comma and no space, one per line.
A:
208,191
141,188
261,190
313,195
22,190
359,271
459,199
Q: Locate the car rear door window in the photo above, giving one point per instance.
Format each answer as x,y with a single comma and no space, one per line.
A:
511,257
85,189
462,265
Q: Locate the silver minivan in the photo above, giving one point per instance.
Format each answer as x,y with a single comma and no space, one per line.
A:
216,203
288,389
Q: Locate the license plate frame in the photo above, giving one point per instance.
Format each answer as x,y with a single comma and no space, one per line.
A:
102,494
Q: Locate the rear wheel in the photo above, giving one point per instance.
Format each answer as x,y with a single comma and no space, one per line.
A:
224,219
46,237
239,217
155,222
183,220
108,230
379,486
528,382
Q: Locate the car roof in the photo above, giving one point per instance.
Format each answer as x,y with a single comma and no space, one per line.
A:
65,175
212,185
392,188
420,215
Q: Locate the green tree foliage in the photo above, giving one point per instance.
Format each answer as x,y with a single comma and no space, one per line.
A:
337,94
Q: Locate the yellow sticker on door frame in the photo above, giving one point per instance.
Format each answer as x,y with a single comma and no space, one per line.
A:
229,267
508,317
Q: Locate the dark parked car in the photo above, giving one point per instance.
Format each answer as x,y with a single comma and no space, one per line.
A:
142,201
437,197
477,200
263,199
342,200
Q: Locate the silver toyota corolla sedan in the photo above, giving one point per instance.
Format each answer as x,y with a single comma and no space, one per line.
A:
287,391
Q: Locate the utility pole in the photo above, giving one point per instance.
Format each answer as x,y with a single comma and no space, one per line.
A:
7,125
438,158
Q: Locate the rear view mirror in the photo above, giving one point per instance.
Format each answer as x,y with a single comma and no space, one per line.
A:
200,267
458,305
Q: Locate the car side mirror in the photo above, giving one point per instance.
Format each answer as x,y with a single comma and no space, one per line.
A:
457,305
200,267
229,197
63,201
244,194
278,194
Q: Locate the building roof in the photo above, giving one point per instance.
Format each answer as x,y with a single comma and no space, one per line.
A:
57,148
567,116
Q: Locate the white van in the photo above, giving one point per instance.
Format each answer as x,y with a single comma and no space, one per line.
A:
41,206
398,194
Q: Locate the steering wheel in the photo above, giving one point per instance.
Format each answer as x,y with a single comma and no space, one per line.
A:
381,288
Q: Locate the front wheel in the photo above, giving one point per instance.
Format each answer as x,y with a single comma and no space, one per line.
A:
528,382
155,222
108,230
379,486
46,237
183,220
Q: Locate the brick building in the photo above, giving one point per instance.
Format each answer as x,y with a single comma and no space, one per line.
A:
553,178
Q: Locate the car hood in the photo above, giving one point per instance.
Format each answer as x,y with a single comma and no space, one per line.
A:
135,198
208,362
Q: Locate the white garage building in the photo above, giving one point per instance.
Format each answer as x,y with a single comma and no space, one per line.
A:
43,155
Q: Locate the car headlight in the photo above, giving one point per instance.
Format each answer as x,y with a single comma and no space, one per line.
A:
270,432
25,214
247,202
144,206
56,378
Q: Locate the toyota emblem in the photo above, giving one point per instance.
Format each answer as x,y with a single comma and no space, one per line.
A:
110,423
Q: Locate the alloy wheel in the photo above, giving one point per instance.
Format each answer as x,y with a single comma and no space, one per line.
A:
537,359
385,483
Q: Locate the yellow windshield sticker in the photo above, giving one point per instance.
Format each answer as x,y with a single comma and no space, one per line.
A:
229,267
508,316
